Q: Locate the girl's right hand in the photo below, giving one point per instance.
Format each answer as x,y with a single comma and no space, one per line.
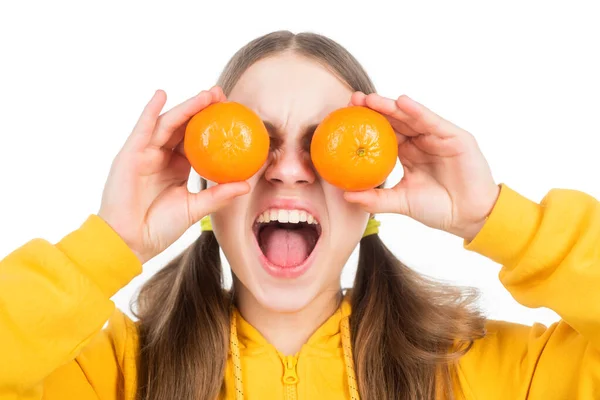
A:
145,199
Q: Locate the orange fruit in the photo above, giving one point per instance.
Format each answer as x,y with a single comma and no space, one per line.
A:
226,142
354,148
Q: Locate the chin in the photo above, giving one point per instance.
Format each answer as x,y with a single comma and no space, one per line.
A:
284,300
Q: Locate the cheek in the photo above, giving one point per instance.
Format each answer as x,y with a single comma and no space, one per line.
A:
227,222
229,226
232,223
347,221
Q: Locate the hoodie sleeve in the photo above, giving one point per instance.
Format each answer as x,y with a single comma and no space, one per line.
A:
54,301
550,257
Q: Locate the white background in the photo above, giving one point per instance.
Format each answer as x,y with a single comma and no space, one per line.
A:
523,77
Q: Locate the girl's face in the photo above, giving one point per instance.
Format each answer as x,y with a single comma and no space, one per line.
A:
285,264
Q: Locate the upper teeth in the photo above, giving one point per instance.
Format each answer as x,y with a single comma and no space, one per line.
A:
287,216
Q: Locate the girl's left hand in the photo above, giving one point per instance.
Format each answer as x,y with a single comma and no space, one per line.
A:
447,182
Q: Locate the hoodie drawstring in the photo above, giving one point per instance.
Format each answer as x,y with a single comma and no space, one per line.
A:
234,344
348,358
346,347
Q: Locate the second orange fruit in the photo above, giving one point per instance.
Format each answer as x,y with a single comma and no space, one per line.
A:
226,142
354,148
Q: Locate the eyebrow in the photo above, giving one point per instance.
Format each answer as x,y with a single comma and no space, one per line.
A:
307,134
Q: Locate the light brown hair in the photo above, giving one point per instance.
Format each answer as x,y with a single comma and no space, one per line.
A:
407,331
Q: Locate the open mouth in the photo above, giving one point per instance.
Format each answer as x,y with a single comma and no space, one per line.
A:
286,238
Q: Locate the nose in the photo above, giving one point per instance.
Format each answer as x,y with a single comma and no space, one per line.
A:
290,167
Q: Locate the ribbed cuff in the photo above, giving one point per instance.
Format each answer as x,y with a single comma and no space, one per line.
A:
509,228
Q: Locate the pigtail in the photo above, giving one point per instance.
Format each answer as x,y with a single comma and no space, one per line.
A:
407,331
184,326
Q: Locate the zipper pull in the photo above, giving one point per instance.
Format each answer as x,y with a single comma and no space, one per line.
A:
290,377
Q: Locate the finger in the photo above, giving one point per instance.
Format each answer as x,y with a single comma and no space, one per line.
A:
387,107
210,200
176,140
396,116
377,201
179,167
179,148
402,130
140,135
168,123
409,154
358,99
218,95
426,121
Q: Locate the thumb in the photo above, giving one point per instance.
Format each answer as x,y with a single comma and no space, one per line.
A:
378,201
211,199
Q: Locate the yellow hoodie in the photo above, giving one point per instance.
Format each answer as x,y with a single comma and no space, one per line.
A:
55,299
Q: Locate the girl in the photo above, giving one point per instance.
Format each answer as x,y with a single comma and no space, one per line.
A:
286,329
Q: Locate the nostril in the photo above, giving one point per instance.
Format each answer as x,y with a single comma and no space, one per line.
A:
299,182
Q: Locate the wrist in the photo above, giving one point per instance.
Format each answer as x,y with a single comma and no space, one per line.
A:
470,230
117,229
469,233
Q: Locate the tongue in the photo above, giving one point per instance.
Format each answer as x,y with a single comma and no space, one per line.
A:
287,247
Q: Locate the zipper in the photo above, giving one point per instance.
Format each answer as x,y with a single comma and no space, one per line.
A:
290,377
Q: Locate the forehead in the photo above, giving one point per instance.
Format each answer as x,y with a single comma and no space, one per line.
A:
290,89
